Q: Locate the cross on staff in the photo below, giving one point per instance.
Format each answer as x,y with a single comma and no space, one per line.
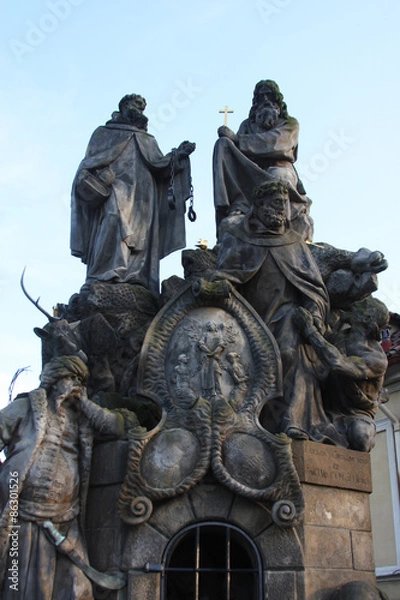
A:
226,111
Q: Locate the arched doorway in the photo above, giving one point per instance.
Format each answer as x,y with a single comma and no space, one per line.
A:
212,561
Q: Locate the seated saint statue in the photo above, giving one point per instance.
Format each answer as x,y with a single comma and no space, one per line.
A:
263,149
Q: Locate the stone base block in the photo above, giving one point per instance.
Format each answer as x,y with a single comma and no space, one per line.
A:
336,530
330,547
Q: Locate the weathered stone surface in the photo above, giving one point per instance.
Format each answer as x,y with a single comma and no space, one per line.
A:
143,545
104,548
143,586
236,449
332,466
281,548
106,497
327,547
115,227
254,155
208,391
363,551
171,516
321,583
252,517
210,369
355,359
276,275
211,501
280,585
170,457
109,463
332,507
49,433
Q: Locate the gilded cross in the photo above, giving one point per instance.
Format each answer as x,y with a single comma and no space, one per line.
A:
226,111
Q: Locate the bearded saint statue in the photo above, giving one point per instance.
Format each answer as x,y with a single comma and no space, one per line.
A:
263,149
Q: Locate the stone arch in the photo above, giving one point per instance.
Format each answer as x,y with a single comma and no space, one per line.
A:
212,559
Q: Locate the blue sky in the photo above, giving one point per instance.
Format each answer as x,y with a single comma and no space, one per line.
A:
66,64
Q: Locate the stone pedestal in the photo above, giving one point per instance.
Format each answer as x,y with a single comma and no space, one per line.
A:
336,530
332,545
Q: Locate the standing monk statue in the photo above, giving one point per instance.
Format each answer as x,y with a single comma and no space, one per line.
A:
274,270
122,223
48,435
263,149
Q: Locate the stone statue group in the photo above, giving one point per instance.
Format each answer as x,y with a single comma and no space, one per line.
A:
128,209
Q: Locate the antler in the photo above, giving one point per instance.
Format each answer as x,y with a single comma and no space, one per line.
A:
36,303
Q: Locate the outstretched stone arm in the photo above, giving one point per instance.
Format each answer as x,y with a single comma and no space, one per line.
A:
186,148
102,420
353,367
109,423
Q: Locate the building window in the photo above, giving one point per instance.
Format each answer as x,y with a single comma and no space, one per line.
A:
385,505
212,561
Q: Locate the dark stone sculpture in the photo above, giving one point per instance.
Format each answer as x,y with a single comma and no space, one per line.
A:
275,272
211,365
48,436
357,369
122,223
211,345
268,337
260,252
359,590
348,276
111,321
355,323
58,337
264,149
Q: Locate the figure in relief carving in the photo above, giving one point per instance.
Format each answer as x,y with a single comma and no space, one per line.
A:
211,346
181,378
239,377
121,221
48,436
264,148
275,271
357,364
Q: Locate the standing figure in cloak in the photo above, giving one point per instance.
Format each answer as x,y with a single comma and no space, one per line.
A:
276,273
121,221
264,149
48,435
212,346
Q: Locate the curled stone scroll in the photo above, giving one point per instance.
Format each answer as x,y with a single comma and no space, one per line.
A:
211,364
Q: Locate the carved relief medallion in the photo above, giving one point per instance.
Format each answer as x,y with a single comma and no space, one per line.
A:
211,364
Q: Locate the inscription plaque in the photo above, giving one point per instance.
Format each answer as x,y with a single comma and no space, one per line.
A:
332,466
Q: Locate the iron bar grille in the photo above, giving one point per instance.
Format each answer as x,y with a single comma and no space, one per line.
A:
212,561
